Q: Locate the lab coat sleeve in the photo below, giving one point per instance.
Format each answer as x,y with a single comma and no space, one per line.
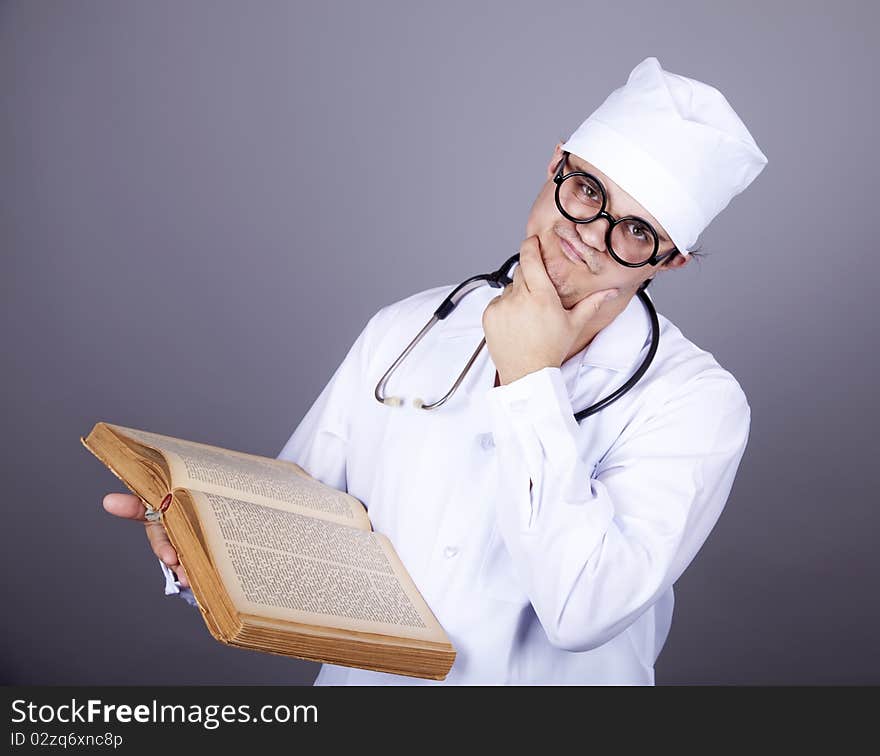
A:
593,551
319,443
173,586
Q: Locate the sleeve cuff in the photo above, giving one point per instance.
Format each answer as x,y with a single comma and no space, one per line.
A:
536,437
535,411
172,585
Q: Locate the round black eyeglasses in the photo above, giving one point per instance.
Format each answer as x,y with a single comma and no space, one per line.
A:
630,240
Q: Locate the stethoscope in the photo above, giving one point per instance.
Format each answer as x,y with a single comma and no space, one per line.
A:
497,280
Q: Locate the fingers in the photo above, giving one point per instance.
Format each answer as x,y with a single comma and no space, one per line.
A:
181,575
160,543
534,273
131,507
128,506
163,549
590,305
516,284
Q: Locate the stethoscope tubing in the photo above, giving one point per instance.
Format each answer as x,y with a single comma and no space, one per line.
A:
499,279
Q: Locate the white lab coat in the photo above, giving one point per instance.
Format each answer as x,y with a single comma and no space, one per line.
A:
571,582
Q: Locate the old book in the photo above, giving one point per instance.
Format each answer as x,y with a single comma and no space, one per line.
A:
278,561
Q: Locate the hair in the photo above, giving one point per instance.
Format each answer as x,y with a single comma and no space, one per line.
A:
697,252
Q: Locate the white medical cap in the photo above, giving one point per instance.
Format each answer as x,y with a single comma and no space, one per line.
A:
674,144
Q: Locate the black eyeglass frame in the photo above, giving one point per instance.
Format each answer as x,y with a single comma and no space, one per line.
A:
654,259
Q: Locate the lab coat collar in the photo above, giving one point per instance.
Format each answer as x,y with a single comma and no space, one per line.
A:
618,345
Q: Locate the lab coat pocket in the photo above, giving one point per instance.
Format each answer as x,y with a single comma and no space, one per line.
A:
497,577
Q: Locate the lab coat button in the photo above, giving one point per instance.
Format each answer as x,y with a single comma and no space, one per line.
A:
450,551
486,441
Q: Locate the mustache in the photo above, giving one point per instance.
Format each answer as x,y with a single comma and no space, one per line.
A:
591,257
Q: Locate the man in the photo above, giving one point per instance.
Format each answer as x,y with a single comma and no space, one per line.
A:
548,548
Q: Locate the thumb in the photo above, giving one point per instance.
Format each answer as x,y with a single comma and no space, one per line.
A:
128,506
589,306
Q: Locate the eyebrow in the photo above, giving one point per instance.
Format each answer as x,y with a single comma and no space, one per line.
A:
572,165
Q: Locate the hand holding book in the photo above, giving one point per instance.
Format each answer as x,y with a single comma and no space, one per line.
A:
131,507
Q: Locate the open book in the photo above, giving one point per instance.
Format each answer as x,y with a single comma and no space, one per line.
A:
277,560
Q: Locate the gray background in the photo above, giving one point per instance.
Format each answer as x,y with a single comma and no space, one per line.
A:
173,261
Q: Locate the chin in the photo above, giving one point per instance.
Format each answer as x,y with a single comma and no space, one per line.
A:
560,274
569,294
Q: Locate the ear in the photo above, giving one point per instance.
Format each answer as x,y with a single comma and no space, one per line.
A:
679,261
554,161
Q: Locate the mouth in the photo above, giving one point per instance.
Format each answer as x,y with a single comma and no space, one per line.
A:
575,252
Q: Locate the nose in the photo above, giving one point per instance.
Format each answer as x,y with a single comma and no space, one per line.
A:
593,233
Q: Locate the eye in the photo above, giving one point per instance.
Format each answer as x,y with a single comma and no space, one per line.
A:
587,191
638,231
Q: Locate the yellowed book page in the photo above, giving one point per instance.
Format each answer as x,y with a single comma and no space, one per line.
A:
273,482
279,564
